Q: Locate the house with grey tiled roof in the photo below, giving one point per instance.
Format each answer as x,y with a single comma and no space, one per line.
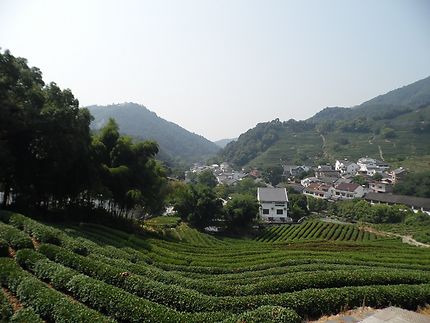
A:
273,205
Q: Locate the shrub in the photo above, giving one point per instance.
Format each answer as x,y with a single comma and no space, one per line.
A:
26,315
268,314
47,302
5,307
14,237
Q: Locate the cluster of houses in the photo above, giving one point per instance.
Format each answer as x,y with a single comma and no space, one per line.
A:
331,182
336,183
224,173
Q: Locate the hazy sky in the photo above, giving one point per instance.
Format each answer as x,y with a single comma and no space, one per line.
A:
219,67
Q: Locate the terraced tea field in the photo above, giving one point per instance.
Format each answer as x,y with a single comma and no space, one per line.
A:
316,231
91,273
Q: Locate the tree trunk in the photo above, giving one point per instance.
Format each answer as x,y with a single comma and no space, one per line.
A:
6,195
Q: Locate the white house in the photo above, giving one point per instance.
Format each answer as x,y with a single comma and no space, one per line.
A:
273,205
346,167
309,180
372,166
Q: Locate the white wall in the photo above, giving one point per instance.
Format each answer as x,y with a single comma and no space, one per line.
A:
273,207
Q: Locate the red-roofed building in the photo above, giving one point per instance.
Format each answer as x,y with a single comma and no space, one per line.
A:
344,191
318,190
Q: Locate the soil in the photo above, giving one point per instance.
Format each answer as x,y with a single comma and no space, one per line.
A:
358,314
16,305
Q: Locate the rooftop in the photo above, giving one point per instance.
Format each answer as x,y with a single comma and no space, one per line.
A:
272,194
420,202
350,187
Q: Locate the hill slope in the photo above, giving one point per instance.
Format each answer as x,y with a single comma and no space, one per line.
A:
74,273
137,121
405,99
394,127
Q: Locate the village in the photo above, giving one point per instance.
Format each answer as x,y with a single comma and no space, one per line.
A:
367,178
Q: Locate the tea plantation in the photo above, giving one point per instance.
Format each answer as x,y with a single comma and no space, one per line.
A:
92,273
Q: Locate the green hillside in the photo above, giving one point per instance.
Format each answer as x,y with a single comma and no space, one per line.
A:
92,273
139,122
396,132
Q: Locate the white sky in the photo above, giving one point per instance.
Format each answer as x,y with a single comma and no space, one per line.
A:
219,67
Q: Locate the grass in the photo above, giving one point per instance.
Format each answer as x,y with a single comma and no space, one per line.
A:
163,221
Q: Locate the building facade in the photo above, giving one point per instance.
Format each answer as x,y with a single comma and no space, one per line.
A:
273,205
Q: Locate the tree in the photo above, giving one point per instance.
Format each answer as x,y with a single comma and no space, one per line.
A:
377,177
273,174
317,205
198,205
360,180
129,174
298,206
240,211
207,178
49,159
415,184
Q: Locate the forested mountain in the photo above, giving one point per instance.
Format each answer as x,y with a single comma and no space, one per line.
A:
394,126
139,122
405,99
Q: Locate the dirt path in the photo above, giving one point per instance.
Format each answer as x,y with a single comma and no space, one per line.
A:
405,239
380,153
14,302
365,312
323,146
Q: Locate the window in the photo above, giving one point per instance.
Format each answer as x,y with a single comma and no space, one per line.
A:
265,211
279,211
270,218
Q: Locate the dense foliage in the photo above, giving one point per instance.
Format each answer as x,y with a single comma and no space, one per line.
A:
198,205
415,184
240,211
360,210
49,159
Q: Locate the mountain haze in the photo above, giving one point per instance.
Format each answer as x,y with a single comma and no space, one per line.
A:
139,122
394,126
224,142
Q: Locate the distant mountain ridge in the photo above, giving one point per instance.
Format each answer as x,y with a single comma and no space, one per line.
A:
224,142
394,126
409,97
139,122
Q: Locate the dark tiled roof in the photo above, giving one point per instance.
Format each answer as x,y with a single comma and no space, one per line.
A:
350,187
272,194
418,202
